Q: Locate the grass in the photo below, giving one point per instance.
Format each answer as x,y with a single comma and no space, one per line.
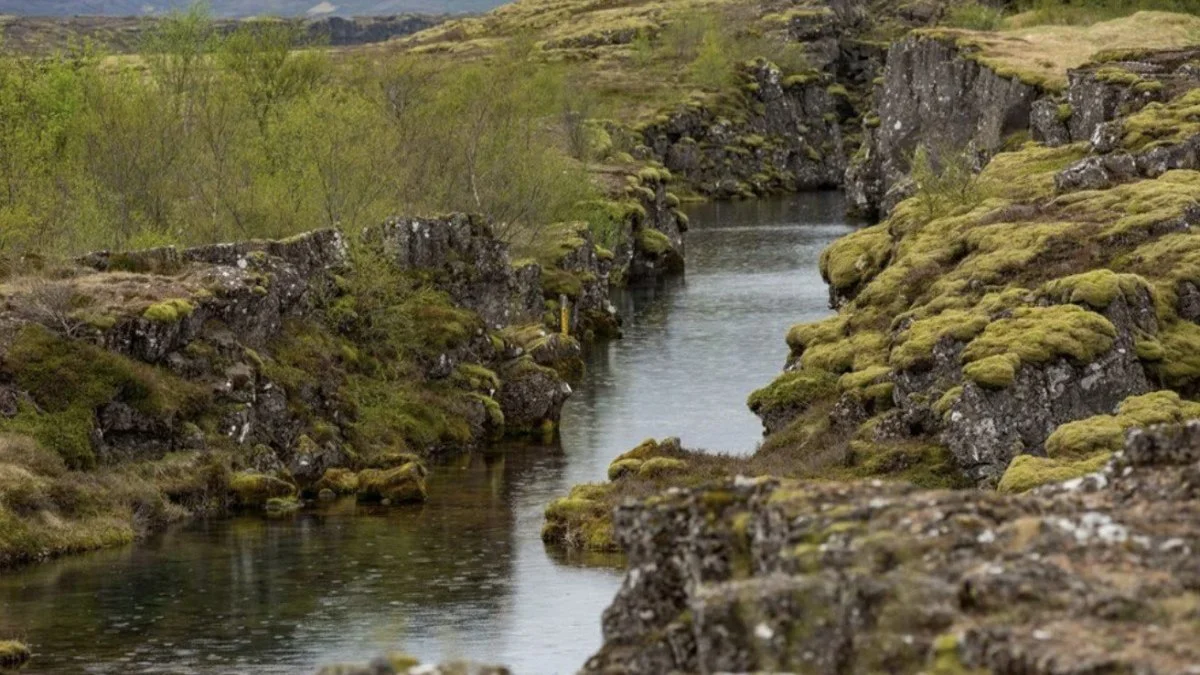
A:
1041,54
47,509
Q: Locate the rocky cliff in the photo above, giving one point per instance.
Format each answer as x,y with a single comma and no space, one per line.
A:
968,95
1093,575
245,375
784,136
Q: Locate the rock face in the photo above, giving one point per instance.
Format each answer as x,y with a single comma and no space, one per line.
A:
1095,575
932,95
791,140
227,310
470,263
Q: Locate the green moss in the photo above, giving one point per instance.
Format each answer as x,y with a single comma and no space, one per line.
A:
653,242
402,485
793,390
925,465
69,380
800,336
1065,111
658,467
1026,472
1041,334
623,467
916,344
339,481
557,282
283,505
859,351
1106,433
476,377
14,654
993,372
1160,124
1096,288
947,400
169,311
801,79
255,489
1180,363
856,258
864,378
581,520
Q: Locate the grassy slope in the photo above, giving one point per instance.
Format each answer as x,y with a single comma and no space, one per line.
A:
1042,54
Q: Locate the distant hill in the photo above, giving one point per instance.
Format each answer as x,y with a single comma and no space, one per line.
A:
243,8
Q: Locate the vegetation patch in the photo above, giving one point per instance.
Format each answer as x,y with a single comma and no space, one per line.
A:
1026,472
14,654
1106,433
69,380
793,390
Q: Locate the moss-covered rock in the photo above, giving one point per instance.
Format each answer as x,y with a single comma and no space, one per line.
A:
14,654
402,485
338,481
623,467
1026,472
169,311
1106,433
581,520
658,467
254,490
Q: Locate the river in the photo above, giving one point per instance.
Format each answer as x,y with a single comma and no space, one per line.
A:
465,575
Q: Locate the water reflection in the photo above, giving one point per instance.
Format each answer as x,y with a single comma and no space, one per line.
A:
465,575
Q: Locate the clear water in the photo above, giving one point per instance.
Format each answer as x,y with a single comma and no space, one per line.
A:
465,575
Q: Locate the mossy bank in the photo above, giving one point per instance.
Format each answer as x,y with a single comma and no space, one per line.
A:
140,388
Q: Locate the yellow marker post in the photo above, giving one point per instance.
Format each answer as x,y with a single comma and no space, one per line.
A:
565,320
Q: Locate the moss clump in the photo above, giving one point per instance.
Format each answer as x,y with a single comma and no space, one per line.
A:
658,467
1160,124
653,242
623,467
1026,472
581,520
916,343
856,258
255,489
338,481
1041,334
281,505
1096,289
859,351
794,390
947,400
802,335
69,380
1106,433
402,485
1065,112
993,372
1180,346
14,654
169,311
556,282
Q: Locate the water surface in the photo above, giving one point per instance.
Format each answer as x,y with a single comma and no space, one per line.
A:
465,575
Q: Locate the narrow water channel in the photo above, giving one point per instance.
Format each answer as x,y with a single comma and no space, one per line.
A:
466,575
